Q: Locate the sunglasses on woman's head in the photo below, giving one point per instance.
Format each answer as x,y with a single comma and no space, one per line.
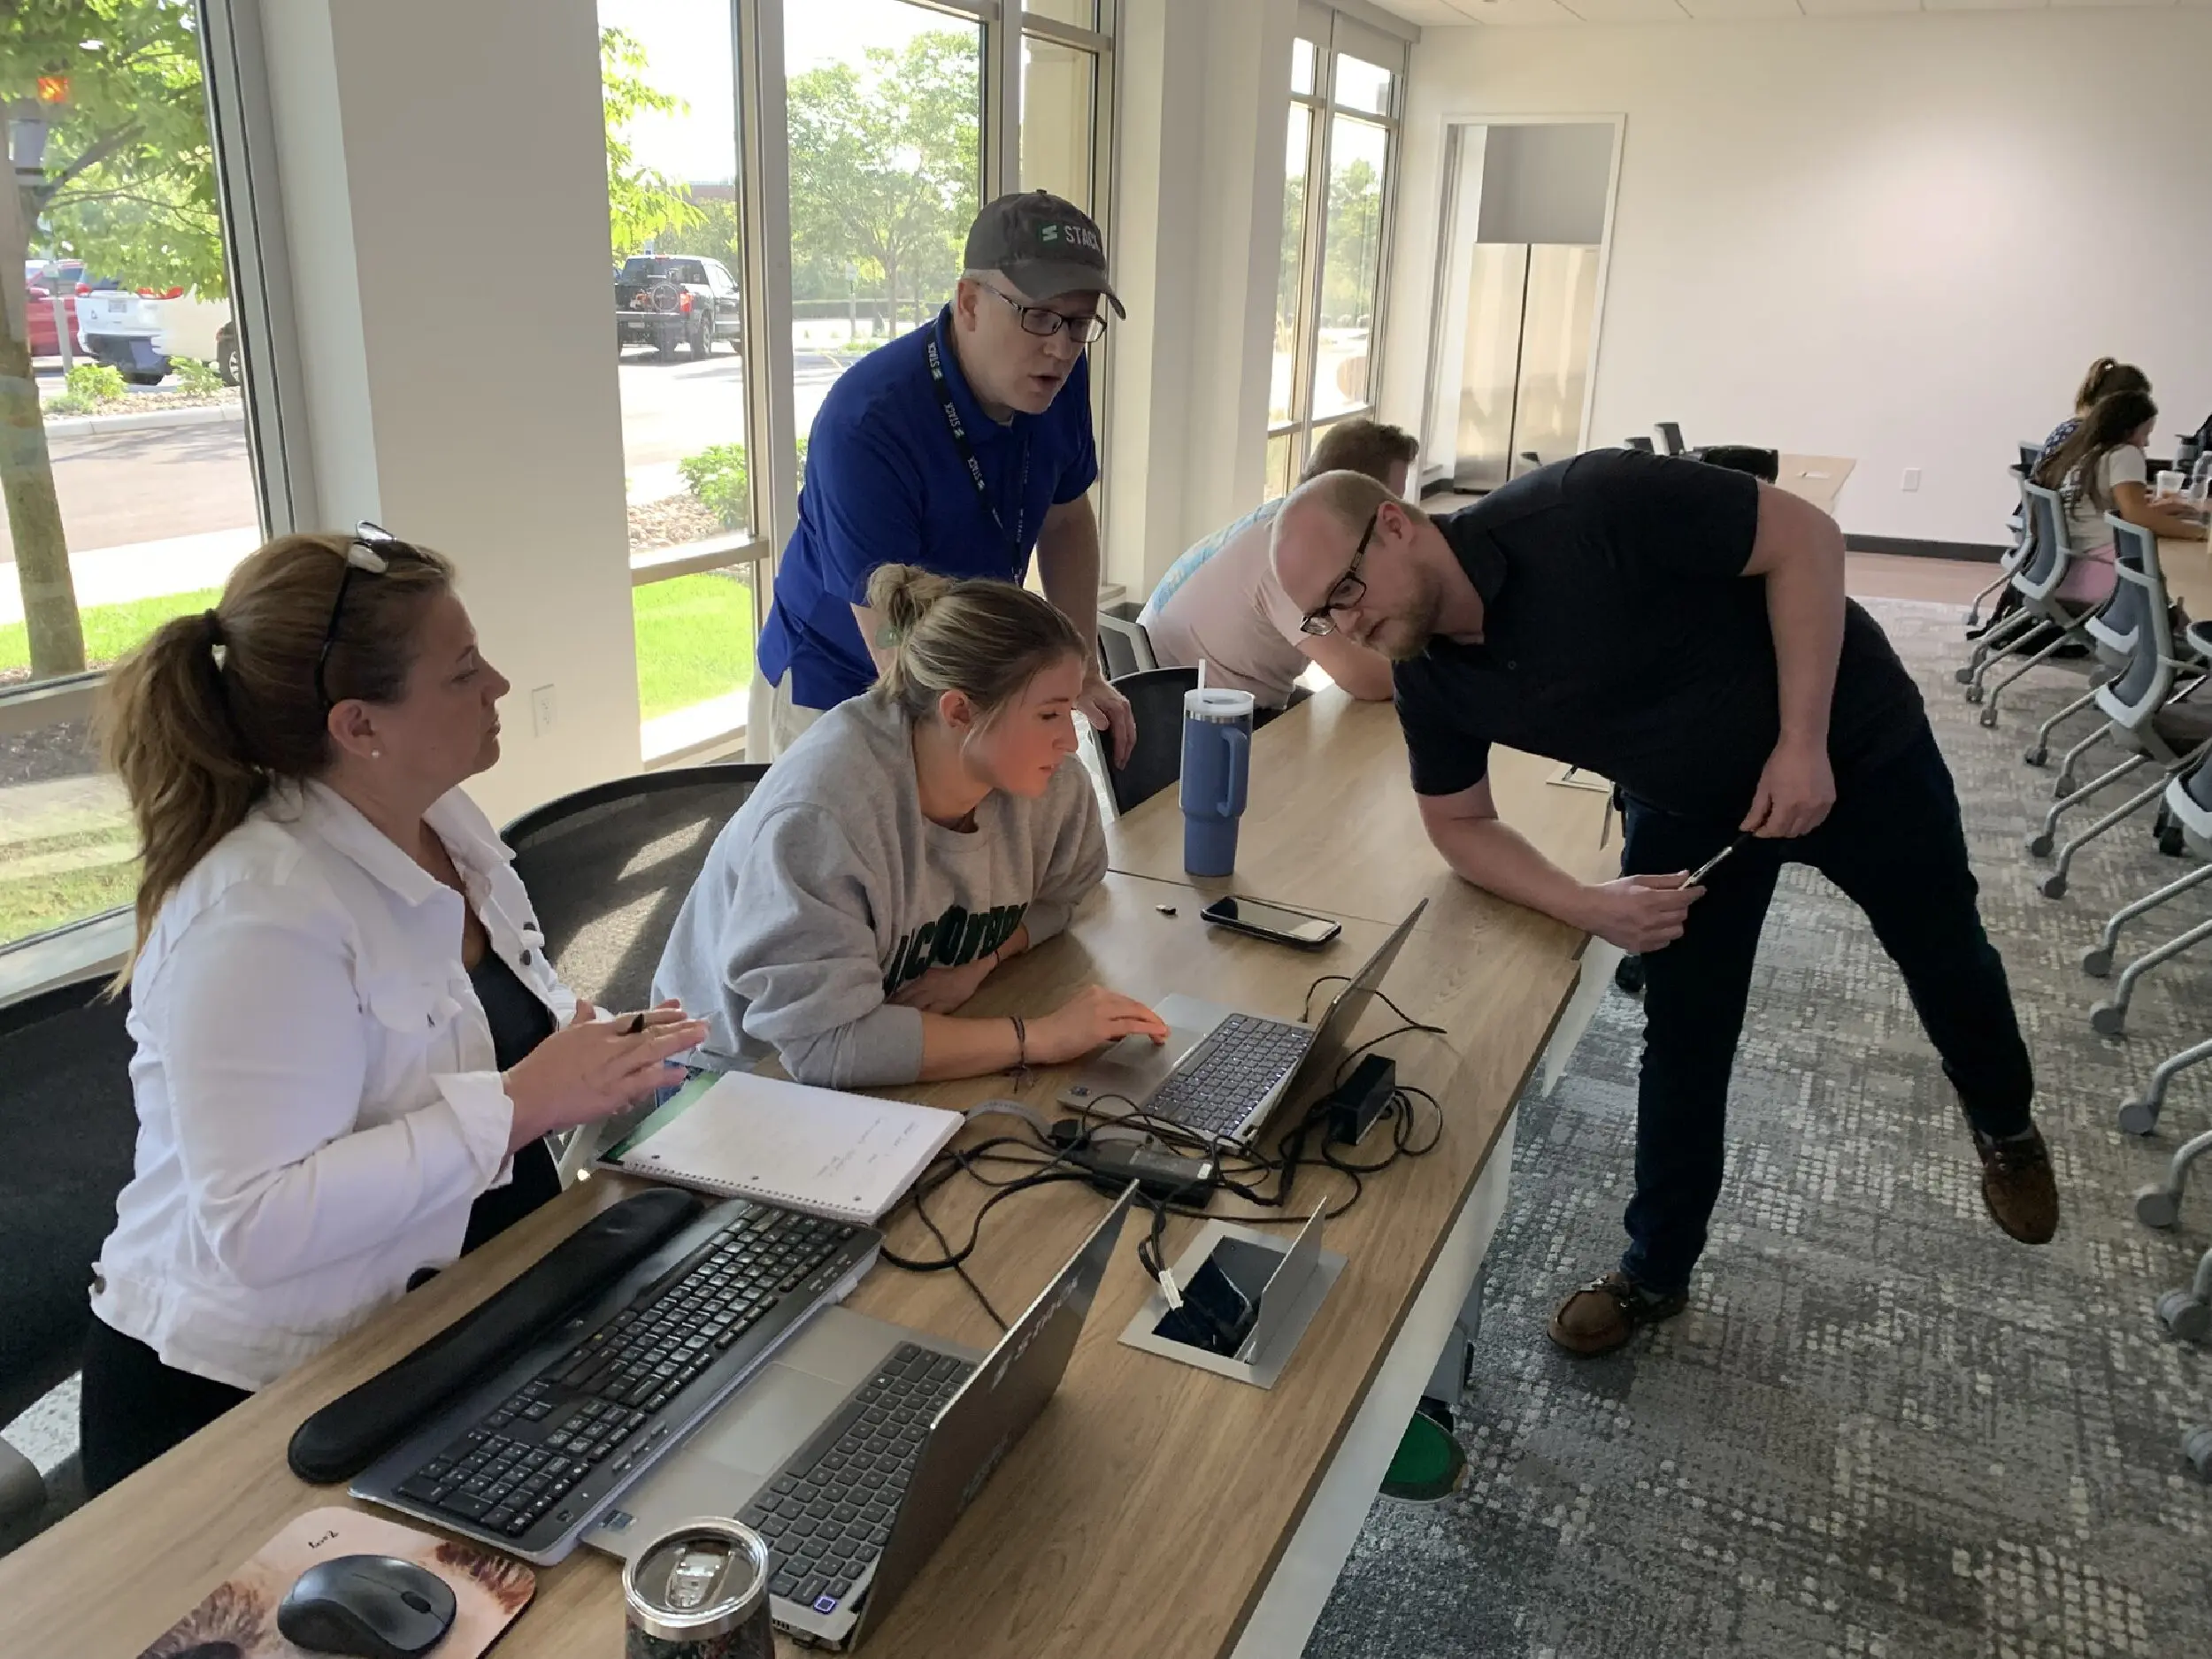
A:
372,550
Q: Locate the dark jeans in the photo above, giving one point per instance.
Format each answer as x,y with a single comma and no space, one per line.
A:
131,1407
1895,845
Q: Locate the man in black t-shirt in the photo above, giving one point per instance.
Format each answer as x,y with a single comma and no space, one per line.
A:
1683,631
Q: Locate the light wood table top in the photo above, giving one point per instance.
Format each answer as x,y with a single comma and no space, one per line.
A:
2188,567
1818,479
1332,824
1144,1511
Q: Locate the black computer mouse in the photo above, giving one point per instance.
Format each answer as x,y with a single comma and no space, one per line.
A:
372,1607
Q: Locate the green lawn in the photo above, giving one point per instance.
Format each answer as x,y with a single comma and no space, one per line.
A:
694,636
694,641
109,630
107,876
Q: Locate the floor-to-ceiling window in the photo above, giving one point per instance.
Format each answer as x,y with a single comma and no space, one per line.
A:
132,485
1340,161
685,354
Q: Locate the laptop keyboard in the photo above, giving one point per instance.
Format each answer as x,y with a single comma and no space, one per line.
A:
825,1522
1228,1072
599,1399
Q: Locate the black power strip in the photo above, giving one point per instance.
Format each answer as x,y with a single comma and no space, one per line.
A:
1114,1163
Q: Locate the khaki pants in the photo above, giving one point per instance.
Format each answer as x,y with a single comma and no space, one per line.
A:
772,721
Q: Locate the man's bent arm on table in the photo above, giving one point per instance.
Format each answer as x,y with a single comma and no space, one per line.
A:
1798,550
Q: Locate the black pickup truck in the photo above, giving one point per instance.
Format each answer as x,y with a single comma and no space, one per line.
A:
670,300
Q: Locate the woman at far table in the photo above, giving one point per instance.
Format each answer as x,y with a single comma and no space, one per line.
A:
906,844
2101,469
349,1041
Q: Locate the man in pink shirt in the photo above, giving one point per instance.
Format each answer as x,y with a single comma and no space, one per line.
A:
1221,604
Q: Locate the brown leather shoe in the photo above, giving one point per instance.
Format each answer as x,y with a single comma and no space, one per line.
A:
2018,1186
1607,1311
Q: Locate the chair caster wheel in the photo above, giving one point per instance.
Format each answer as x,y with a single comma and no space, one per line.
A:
1965,676
2037,757
1989,715
1973,694
2096,962
2039,845
2138,1117
2155,1207
2109,1019
2196,1446
2053,887
2185,1316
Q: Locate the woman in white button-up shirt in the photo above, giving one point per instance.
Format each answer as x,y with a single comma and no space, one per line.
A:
349,1042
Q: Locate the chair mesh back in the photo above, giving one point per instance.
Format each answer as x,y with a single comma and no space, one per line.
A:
1155,697
2030,454
2144,684
608,869
2046,528
70,1128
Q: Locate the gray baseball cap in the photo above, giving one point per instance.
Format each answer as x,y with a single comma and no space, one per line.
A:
1044,245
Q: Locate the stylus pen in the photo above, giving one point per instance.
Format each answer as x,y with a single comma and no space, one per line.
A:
1698,875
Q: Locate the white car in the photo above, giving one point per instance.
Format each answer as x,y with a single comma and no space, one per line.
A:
140,332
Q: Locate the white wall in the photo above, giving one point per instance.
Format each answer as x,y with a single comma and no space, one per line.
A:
1204,95
418,140
1900,239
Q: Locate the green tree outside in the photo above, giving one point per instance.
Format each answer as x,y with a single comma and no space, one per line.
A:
885,171
127,184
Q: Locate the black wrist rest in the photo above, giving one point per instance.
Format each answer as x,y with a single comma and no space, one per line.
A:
348,1434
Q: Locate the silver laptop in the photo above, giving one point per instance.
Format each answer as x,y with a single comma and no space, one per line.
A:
1221,1071
854,1449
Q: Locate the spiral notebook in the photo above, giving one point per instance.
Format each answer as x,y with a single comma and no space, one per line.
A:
739,1135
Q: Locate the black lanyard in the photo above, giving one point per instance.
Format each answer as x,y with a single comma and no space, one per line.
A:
1017,555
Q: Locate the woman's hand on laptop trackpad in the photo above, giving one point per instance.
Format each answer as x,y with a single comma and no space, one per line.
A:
1090,1019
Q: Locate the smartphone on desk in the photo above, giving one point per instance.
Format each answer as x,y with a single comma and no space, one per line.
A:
1272,921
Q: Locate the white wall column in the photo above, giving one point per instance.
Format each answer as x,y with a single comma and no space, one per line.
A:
443,182
1205,91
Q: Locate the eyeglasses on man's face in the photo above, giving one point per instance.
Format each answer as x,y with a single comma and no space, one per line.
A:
1044,322
1346,591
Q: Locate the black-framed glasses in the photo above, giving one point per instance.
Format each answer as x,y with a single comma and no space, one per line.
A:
372,550
1348,589
1045,322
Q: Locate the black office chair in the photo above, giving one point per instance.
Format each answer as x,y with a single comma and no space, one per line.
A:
1638,443
608,867
1670,435
1155,697
71,1128
2030,454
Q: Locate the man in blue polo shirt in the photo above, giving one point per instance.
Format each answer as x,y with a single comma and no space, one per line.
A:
962,447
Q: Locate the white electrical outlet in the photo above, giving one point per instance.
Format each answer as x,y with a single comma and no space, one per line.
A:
1912,478
541,711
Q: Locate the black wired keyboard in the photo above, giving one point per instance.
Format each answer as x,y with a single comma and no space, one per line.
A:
826,1516
527,1461
1228,1072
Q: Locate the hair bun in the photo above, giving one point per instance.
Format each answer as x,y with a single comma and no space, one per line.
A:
902,595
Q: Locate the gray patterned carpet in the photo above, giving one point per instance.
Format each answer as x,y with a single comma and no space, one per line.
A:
1881,1428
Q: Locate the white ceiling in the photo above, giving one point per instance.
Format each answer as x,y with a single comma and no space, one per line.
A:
1450,13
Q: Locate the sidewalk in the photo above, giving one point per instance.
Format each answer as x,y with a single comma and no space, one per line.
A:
111,575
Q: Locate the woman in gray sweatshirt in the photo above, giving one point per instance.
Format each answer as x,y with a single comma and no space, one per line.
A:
913,840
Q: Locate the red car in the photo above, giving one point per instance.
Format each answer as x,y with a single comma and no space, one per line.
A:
39,315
